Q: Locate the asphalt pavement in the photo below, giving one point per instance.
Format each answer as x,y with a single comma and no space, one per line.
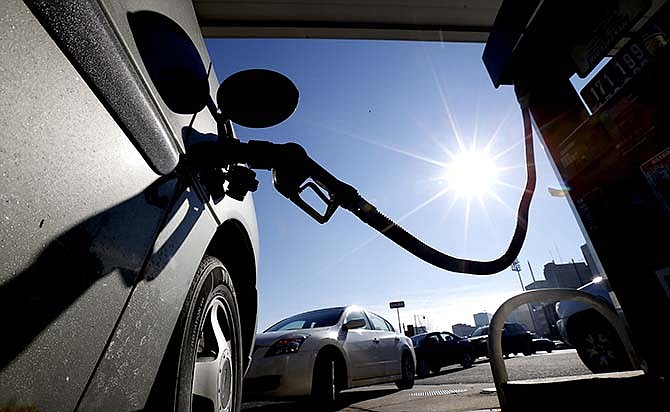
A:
452,389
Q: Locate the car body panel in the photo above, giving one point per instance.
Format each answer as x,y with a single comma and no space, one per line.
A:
296,383
75,194
134,353
365,357
87,224
513,341
444,352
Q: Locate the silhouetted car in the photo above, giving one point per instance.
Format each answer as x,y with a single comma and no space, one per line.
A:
437,349
597,343
542,344
515,339
322,352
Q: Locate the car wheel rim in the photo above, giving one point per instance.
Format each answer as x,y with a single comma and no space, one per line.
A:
333,389
423,367
213,371
407,370
600,349
467,360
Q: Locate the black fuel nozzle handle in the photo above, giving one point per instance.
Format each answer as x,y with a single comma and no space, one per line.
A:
294,172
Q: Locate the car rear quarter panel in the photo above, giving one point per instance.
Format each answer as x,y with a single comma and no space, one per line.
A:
79,210
85,221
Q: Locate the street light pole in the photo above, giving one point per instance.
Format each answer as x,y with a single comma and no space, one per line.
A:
516,267
399,325
397,305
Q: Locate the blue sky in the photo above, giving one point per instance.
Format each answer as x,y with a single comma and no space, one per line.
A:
380,115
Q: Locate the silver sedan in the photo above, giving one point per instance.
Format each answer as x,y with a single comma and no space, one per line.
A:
322,352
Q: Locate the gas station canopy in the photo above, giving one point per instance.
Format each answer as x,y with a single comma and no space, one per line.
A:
430,20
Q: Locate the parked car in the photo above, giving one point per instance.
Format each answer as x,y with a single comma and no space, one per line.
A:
515,339
541,344
437,349
123,278
597,343
322,352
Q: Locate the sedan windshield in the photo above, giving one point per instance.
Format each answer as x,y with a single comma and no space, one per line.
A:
481,331
308,320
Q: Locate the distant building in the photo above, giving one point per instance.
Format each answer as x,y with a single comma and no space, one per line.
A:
461,329
482,318
567,275
411,330
522,315
538,284
592,261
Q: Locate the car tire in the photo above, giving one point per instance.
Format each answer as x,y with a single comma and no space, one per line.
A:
601,350
202,369
422,368
467,361
326,386
407,371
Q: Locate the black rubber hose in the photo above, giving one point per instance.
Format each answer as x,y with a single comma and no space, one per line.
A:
370,215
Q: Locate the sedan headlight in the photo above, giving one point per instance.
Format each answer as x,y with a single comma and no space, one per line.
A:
286,345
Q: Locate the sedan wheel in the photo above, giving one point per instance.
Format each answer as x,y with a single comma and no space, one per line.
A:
325,383
202,367
602,352
213,371
467,360
422,368
407,371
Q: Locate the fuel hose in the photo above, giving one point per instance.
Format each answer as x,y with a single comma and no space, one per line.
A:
369,214
294,171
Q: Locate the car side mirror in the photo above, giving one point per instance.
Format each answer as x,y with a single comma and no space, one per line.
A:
257,98
354,324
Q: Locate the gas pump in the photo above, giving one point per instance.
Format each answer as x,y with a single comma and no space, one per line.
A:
610,143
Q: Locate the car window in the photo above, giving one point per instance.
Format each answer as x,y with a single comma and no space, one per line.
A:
378,322
308,320
391,328
514,328
417,340
357,314
447,337
481,331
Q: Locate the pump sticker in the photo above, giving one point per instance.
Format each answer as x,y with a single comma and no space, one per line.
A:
657,172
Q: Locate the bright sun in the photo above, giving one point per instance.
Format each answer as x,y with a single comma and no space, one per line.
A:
471,173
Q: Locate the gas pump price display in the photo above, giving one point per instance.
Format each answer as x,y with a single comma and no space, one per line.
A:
623,67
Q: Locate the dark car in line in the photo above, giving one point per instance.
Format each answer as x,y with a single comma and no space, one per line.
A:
435,350
541,344
516,338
